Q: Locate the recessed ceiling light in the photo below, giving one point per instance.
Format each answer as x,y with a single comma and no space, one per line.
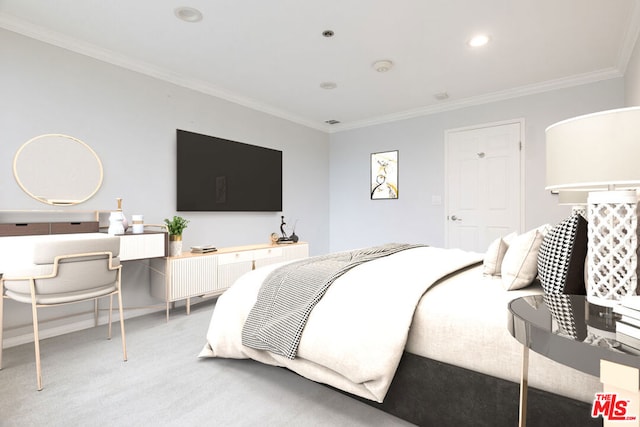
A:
478,40
382,66
188,14
328,85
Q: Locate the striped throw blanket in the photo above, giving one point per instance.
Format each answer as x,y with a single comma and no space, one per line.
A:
289,294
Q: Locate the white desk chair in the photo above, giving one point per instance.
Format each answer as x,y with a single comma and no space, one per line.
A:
65,272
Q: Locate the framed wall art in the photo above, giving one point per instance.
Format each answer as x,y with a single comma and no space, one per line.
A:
384,175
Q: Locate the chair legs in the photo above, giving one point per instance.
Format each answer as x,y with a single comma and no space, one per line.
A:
110,311
124,340
36,342
69,271
1,322
36,337
96,312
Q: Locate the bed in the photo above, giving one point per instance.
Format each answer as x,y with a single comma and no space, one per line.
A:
421,354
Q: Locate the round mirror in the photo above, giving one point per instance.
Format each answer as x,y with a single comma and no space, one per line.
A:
58,169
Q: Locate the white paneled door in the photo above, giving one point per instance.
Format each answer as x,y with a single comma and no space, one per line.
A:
483,184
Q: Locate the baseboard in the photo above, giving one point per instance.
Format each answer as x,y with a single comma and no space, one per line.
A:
74,322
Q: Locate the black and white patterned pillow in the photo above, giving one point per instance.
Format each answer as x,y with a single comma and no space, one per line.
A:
562,256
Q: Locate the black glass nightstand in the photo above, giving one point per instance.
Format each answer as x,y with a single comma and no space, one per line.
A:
570,330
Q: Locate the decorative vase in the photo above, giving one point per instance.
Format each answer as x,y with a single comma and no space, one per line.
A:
175,245
115,223
125,223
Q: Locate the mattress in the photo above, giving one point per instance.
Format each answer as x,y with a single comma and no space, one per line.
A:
463,321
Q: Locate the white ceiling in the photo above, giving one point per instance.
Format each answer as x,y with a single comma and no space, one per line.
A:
271,55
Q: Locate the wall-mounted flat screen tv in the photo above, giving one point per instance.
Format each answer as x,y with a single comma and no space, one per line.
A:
215,174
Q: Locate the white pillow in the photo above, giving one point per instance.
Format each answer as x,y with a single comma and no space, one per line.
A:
520,264
495,253
544,229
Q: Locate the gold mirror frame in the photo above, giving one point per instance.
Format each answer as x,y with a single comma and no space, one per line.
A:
58,169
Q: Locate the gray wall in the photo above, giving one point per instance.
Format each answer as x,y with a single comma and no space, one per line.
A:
358,221
130,119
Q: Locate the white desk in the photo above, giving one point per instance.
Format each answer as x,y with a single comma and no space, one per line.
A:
18,250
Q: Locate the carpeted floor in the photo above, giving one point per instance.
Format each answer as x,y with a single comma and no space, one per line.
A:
163,383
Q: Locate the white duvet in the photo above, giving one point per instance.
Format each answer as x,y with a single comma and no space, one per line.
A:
356,334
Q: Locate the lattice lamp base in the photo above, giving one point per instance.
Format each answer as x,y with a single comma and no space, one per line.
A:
612,252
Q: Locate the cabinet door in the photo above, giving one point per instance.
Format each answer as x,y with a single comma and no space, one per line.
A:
267,256
281,254
142,246
298,251
231,266
193,277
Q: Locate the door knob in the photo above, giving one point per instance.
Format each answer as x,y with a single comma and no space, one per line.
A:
455,218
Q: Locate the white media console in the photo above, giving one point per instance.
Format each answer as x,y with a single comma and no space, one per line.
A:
195,275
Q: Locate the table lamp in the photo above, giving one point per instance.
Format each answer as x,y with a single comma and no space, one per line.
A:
576,199
600,153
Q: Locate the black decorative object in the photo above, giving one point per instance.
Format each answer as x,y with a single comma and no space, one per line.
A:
284,239
282,224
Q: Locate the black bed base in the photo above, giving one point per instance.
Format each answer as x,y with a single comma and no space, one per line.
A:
431,393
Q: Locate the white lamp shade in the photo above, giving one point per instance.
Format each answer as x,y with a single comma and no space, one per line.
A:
595,151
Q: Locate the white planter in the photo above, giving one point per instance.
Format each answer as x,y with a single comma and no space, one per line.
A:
175,245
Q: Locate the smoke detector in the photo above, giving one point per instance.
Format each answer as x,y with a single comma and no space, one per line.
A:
188,14
441,96
382,66
328,85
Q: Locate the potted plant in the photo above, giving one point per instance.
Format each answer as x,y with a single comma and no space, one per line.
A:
175,226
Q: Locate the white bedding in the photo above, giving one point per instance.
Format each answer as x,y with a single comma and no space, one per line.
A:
462,320
355,336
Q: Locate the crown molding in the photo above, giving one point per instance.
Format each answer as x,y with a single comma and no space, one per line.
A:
54,38
562,83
